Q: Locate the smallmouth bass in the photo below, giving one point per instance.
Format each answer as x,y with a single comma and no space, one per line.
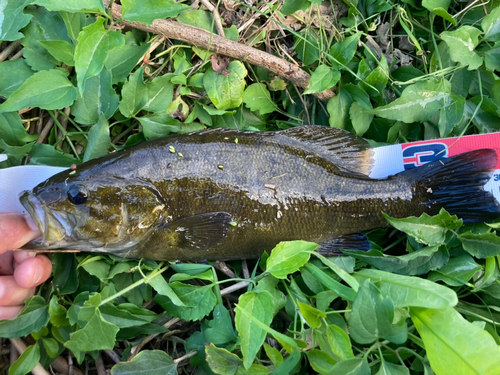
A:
225,194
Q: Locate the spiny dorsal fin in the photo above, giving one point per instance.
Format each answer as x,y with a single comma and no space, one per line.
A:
345,149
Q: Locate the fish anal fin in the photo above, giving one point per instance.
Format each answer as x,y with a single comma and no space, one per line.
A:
198,232
353,241
339,146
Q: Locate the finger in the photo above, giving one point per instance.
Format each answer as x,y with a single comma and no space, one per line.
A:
15,230
6,263
22,255
33,271
9,312
11,294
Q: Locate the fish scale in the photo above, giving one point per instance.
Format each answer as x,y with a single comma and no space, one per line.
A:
223,194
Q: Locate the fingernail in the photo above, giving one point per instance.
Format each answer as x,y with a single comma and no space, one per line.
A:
31,223
38,274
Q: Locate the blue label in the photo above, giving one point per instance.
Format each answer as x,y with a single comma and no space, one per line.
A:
415,156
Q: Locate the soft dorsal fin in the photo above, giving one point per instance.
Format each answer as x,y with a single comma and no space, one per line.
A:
348,151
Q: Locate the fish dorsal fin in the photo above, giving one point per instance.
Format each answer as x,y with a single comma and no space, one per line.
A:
348,151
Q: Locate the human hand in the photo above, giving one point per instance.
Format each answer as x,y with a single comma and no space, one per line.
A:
20,271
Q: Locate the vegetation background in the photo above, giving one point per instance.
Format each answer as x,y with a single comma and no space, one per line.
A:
80,79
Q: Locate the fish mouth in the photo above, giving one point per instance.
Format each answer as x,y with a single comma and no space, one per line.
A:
54,230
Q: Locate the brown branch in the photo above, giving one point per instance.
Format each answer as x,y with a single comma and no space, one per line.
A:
222,46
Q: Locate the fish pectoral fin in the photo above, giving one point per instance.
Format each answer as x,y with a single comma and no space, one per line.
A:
353,241
198,232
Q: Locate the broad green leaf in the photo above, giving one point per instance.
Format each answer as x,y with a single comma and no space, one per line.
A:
60,49
12,130
222,361
257,98
439,7
162,124
273,354
32,318
147,362
47,90
418,102
330,283
226,92
344,51
289,364
57,313
288,257
338,109
491,58
97,334
161,286
126,315
43,154
360,119
451,114
64,268
335,342
51,346
418,262
372,316
13,19
73,6
429,230
12,75
26,361
258,305
322,78
458,271
410,291
342,266
461,43
482,117
291,6
160,92
199,18
307,46
491,25
134,94
454,345
92,50
220,329
146,11
122,59
269,283
74,22
99,140
387,368
199,301
311,315
320,361
482,245
374,80
353,366
98,97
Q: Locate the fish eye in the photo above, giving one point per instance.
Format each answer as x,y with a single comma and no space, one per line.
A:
77,194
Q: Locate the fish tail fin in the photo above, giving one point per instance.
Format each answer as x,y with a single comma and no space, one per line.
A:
456,184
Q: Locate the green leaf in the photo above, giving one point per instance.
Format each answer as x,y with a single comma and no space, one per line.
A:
269,283
458,271
451,114
439,7
461,43
353,366
32,318
199,18
220,329
288,257
98,97
122,59
374,80
289,364
429,230
273,354
491,25
12,130
92,50
146,11
58,313
126,315
43,154
344,51
454,345
26,361
307,46
97,334
134,94
257,98
405,291
160,92
226,92
311,315
147,362
60,49
12,75
161,286
320,361
291,6
360,119
13,19
418,102
258,305
372,316
99,140
47,90
330,283
221,361
322,78
198,301
73,6
51,347
387,368
418,262
338,109
482,245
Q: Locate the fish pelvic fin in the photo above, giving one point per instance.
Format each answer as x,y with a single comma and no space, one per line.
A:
352,241
198,232
457,185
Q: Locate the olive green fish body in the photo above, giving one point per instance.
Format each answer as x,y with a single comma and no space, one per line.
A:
223,194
